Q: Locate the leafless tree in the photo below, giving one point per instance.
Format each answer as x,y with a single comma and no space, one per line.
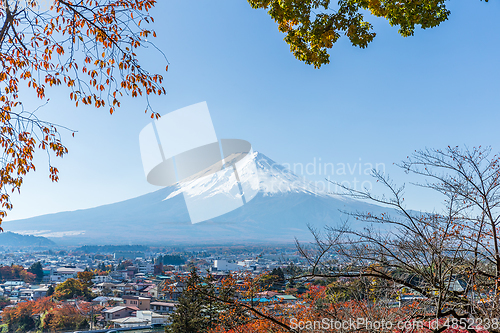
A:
448,260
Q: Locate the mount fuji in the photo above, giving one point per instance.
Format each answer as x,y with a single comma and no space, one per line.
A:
282,209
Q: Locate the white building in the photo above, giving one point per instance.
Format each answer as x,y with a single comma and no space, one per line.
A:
162,307
128,322
152,317
26,294
61,274
146,268
40,292
101,279
223,265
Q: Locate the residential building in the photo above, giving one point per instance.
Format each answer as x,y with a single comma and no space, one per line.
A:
163,307
40,292
61,274
152,317
128,322
118,312
143,303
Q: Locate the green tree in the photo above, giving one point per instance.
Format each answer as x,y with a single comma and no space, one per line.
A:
198,310
37,269
173,259
312,26
86,278
274,280
72,288
50,290
188,316
278,273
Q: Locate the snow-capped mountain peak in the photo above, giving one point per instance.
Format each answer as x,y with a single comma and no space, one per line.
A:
269,178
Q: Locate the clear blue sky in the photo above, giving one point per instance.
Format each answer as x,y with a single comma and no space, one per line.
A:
438,88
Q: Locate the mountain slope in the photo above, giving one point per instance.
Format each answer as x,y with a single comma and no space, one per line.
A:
281,210
11,239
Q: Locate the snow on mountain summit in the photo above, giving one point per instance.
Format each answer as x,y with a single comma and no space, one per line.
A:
273,178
